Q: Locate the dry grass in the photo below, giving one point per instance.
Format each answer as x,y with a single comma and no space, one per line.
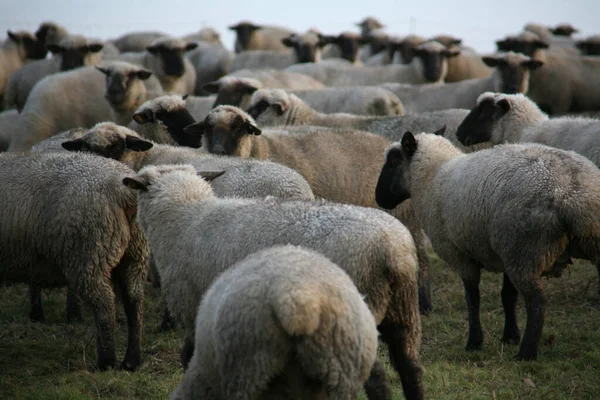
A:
53,360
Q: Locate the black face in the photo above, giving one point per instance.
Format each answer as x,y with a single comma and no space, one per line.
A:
244,33
589,48
34,48
233,96
432,63
391,189
512,78
225,141
115,150
306,52
43,32
116,87
520,46
71,59
377,45
176,121
478,124
407,51
257,109
349,47
172,60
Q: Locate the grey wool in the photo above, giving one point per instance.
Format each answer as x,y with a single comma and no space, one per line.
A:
521,210
325,338
178,208
70,219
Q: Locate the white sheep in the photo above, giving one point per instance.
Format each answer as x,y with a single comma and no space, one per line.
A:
250,36
375,250
300,293
510,75
523,210
99,253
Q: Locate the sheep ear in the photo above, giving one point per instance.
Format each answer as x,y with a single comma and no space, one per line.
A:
143,74
253,129
136,183
143,117
210,175
409,143
103,70
532,64
490,61
212,87
279,108
137,144
289,41
540,44
55,49
13,36
504,105
196,129
73,145
95,47
441,131
191,46
185,96
233,27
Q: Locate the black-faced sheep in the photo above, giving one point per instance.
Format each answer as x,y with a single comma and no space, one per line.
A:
250,36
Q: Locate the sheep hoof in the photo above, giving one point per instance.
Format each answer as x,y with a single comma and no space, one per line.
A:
130,365
523,356
511,339
474,346
106,363
36,316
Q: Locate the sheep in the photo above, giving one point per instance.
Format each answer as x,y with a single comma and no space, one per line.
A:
206,34
155,117
200,106
165,57
378,42
407,47
237,88
99,251
275,107
306,48
374,249
589,46
127,87
360,100
71,52
368,25
467,65
346,46
430,65
523,210
510,75
19,48
336,153
51,33
306,294
564,83
134,42
250,36
9,122
559,36
211,62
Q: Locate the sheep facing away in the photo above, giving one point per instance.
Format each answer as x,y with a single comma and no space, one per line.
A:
523,210
100,252
300,293
373,248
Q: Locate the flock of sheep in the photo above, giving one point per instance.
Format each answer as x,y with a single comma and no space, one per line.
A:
284,196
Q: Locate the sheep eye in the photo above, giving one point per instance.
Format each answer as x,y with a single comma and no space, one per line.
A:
249,128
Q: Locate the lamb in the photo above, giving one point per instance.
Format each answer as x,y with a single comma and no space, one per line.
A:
19,48
359,100
564,83
134,42
165,57
523,210
101,250
127,87
380,258
250,36
73,51
275,107
589,46
336,153
211,61
510,75
430,65
237,88
9,122
154,118
308,295
51,33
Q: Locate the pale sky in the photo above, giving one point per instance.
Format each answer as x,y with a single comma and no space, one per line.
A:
478,22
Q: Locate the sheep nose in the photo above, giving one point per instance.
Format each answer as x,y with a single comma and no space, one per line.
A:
219,150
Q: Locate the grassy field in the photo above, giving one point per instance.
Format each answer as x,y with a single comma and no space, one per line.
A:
53,360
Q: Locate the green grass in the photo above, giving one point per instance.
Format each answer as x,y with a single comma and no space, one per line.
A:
54,360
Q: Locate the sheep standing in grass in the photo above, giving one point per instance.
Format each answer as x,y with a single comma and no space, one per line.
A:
178,208
302,294
19,48
73,51
250,36
100,252
510,75
523,210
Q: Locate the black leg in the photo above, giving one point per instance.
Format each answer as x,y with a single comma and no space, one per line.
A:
377,387
425,302
73,307
35,297
535,303
187,351
475,340
510,295
598,268
168,322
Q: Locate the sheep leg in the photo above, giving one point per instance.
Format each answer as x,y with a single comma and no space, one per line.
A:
378,386
475,340
535,304
187,350
73,307
102,300
35,296
598,268
168,322
425,303
154,274
510,295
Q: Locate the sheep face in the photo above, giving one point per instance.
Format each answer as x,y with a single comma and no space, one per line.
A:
434,60
171,56
226,131
513,70
407,47
124,85
369,24
75,57
29,46
394,181
233,91
307,47
244,32
349,44
590,47
108,140
173,119
269,107
478,125
524,44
